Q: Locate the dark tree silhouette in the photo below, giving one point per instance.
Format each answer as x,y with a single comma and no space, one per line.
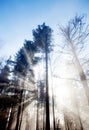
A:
42,38
23,70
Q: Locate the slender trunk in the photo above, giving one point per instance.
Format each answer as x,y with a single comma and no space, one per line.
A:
47,88
41,118
19,113
18,118
37,117
8,119
53,112
22,108
44,113
12,119
81,72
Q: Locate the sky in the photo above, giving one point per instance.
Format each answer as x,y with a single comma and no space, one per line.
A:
19,17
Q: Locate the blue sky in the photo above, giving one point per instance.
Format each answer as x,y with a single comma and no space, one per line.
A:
19,17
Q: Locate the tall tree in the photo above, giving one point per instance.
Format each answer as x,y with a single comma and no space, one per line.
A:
75,34
23,69
42,38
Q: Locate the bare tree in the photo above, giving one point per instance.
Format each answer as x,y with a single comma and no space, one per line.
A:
76,34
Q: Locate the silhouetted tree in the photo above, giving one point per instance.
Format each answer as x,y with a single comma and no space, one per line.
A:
4,74
42,38
23,69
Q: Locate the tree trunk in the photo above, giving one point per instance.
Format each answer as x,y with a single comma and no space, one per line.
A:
44,114
53,112
81,72
9,116
19,113
37,117
47,88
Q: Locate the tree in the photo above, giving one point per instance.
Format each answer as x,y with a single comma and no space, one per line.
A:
24,73
4,77
75,34
5,72
6,98
42,39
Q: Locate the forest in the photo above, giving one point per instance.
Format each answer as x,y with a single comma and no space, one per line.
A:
46,85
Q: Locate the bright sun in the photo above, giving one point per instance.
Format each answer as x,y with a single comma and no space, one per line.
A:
62,86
